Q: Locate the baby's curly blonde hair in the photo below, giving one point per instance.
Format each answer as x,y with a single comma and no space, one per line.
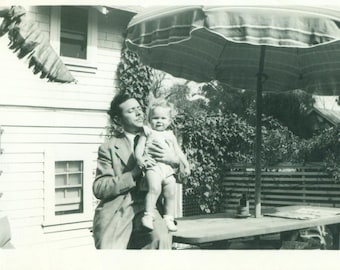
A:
161,102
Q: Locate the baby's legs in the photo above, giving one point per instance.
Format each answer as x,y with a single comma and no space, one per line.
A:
154,180
156,185
169,185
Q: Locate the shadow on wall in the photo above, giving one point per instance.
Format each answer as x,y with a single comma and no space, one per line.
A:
5,232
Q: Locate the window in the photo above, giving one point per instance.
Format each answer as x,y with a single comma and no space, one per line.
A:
73,35
68,187
73,32
68,177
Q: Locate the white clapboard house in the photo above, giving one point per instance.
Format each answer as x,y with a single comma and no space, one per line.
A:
51,131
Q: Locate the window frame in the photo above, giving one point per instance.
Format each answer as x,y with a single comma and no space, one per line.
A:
87,65
66,187
67,154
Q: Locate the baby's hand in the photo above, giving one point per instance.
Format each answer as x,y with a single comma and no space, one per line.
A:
185,172
140,162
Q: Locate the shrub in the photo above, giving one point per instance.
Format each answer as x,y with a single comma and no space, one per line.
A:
278,142
323,147
210,142
213,141
134,77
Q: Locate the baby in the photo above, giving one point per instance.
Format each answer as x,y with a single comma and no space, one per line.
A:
159,176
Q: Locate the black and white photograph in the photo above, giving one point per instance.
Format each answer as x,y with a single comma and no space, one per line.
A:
201,132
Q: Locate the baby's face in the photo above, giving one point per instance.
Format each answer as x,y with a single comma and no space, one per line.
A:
160,118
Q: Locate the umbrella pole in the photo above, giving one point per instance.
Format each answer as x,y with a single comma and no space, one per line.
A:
258,135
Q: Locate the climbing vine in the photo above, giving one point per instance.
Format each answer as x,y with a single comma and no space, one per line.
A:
134,77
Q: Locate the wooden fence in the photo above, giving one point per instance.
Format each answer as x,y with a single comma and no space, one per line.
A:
282,185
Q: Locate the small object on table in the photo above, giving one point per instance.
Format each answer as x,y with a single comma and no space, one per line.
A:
243,209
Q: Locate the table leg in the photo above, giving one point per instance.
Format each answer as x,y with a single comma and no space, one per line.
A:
257,243
335,229
292,239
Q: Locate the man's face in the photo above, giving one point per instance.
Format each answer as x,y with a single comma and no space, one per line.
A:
132,118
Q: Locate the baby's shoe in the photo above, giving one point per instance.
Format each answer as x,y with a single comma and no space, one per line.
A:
170,223
147,220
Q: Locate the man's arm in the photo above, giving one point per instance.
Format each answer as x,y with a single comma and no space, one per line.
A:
140,148
109,181
185,171
164,153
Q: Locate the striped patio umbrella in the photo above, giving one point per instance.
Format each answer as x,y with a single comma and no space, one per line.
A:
264,48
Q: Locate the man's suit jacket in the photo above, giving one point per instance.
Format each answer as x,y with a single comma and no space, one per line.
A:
114,164
115,222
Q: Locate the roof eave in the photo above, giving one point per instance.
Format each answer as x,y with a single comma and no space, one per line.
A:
105,9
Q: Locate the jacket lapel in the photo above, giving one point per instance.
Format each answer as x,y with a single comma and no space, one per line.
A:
123,150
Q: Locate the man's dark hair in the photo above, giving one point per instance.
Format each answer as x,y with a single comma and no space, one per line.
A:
115,110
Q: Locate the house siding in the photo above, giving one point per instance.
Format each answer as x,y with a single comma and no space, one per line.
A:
36,115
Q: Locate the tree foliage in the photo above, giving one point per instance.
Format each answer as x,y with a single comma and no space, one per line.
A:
290,108
210,142
134,77
226,99
324,147
223,132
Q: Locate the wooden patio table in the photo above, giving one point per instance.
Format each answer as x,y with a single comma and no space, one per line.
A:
219,228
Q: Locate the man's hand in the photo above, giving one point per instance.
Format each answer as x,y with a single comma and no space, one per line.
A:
164,153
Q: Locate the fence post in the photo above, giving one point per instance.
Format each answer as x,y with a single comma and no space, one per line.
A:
303,184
